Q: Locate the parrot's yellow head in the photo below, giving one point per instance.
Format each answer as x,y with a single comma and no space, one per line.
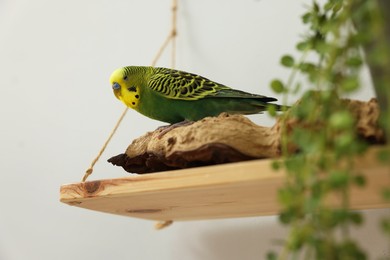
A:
124,87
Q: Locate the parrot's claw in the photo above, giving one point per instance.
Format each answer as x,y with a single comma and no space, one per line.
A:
166,128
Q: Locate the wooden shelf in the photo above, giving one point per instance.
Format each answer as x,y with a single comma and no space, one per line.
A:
224,191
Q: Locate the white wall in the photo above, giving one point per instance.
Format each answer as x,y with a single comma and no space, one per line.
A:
57,108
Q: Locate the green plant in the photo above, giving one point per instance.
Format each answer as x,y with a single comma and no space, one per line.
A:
327,144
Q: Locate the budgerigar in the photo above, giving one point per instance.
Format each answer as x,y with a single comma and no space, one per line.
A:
174,96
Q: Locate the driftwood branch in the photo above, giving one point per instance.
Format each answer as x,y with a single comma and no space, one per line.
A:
226,138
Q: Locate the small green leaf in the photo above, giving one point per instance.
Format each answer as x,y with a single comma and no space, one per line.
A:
276,165
295,164
286,217
356,218
287,61
340,215
277,86
306,17
337,6
328,6
359,180
316,7
322,47
307,67
338,179
350,84
386,193
302,46
384,155
344,141
312,204
297,239
341,120
272,256
271,110
386,225
355,61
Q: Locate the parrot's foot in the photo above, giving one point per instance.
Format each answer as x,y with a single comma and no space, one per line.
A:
166,128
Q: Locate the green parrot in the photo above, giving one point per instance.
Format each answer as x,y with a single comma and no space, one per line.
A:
175,96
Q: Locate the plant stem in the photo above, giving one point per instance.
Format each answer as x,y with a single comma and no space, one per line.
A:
380,41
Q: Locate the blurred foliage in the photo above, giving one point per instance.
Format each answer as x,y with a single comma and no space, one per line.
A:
337,33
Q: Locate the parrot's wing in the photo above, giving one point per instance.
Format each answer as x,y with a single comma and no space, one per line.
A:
175,84
234,93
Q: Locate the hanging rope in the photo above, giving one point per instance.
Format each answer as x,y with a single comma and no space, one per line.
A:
90,169
174,33
170,38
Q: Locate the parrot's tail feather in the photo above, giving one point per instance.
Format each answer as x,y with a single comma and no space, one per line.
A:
262,104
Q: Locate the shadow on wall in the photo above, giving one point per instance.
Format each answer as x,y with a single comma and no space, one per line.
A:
229,239
252,238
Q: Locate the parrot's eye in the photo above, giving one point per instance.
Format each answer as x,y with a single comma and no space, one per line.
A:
125,77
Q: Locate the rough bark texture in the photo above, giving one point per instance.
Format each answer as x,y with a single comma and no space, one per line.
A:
223,139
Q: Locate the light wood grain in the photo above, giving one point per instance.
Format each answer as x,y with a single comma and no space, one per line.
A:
225,191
